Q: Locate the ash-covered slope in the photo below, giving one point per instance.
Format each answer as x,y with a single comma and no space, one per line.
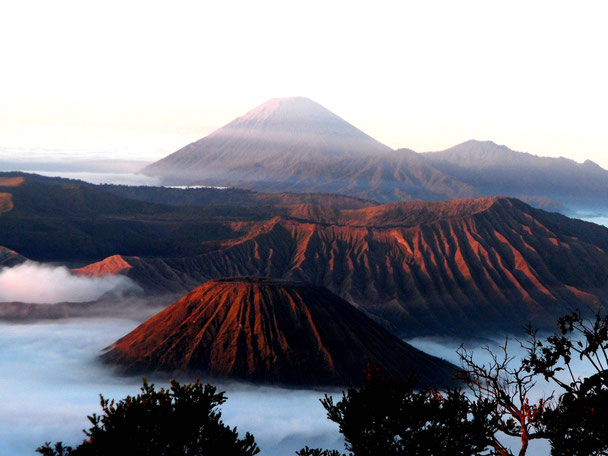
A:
423,268
275,137
270,331
295,144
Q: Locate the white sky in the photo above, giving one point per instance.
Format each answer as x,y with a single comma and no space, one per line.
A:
141,79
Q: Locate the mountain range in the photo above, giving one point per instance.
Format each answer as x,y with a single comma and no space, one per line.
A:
416,267
419,268
296,145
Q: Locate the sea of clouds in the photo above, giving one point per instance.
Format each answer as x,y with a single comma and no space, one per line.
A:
45,284
51,377
50,380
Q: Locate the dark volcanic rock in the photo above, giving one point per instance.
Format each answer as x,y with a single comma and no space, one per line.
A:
270,331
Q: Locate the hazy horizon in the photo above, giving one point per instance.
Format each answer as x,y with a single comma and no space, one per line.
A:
423,76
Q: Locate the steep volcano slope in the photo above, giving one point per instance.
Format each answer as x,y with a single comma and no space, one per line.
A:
270,331
295,144
423,268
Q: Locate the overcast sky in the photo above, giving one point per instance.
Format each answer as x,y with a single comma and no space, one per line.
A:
141,79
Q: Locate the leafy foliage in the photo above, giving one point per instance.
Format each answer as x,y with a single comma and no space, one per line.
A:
181,420
578,424
389,417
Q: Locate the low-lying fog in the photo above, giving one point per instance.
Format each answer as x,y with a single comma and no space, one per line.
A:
50,380
55,284
50,377
103,177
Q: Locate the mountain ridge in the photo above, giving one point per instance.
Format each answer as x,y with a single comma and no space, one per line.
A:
511,262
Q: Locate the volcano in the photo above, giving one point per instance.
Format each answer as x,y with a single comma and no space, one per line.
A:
271,139
270,331
296,145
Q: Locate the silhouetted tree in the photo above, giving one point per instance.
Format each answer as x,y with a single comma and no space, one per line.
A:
505,383
389,417
317,452
577,425
181,420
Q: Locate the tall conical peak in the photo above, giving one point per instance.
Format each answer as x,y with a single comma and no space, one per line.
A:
293,115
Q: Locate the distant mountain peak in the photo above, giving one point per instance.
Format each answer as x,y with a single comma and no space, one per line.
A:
292,115
481,145
110,266
294,106
592,165
280,139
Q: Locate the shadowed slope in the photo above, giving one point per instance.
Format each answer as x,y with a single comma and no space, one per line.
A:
6,202
273,332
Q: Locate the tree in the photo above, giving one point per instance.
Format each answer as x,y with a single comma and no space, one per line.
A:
317,452
507,388
577,425
181,420
389,417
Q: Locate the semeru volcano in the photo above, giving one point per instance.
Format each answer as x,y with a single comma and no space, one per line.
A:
270,331
297,145
272,141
